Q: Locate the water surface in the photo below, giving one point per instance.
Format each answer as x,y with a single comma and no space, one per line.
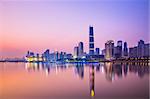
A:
69,81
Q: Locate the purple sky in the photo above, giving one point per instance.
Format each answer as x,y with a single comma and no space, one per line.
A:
59,25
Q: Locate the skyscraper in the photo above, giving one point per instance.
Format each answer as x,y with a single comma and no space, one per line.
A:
91,41
125,50
133,52
109,49
46,55
147,50
81,49
119,48
140,49
104,52
76,52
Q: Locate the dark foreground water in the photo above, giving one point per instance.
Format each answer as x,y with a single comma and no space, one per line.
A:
73,81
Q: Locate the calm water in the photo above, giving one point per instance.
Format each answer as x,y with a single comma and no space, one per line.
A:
73,81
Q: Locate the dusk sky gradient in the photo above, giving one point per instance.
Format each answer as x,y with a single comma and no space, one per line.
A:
59,25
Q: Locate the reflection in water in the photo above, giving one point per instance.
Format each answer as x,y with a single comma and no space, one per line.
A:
108,71
111,70
33,66
79,69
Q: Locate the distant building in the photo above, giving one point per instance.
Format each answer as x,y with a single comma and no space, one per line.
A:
57,55
91,41
76,52
119,49
147,50
81,49
46,56
103,52
109,47
38,57
115,55
119,44
97,51
125,50
52,57
61,56
140,50
133,52
30,56
68,56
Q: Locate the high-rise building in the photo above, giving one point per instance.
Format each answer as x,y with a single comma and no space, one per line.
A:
119,43
133,52
115,52
91,41
81,49
97,51
125,50
103,52
46,55
119,48
57,55
147,50
37,57
76,52
140,49
109,49
61,55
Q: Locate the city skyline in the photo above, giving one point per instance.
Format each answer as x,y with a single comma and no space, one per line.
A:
110,53
37,26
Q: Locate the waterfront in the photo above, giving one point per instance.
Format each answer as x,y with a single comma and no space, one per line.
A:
69,81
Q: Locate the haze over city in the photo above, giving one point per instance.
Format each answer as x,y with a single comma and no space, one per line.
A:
39,25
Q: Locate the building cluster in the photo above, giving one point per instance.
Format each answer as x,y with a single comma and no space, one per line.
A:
94,53
110,52
79,51
141,50
48,57
31,56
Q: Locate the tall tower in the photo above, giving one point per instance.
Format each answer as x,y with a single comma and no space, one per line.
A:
91,41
